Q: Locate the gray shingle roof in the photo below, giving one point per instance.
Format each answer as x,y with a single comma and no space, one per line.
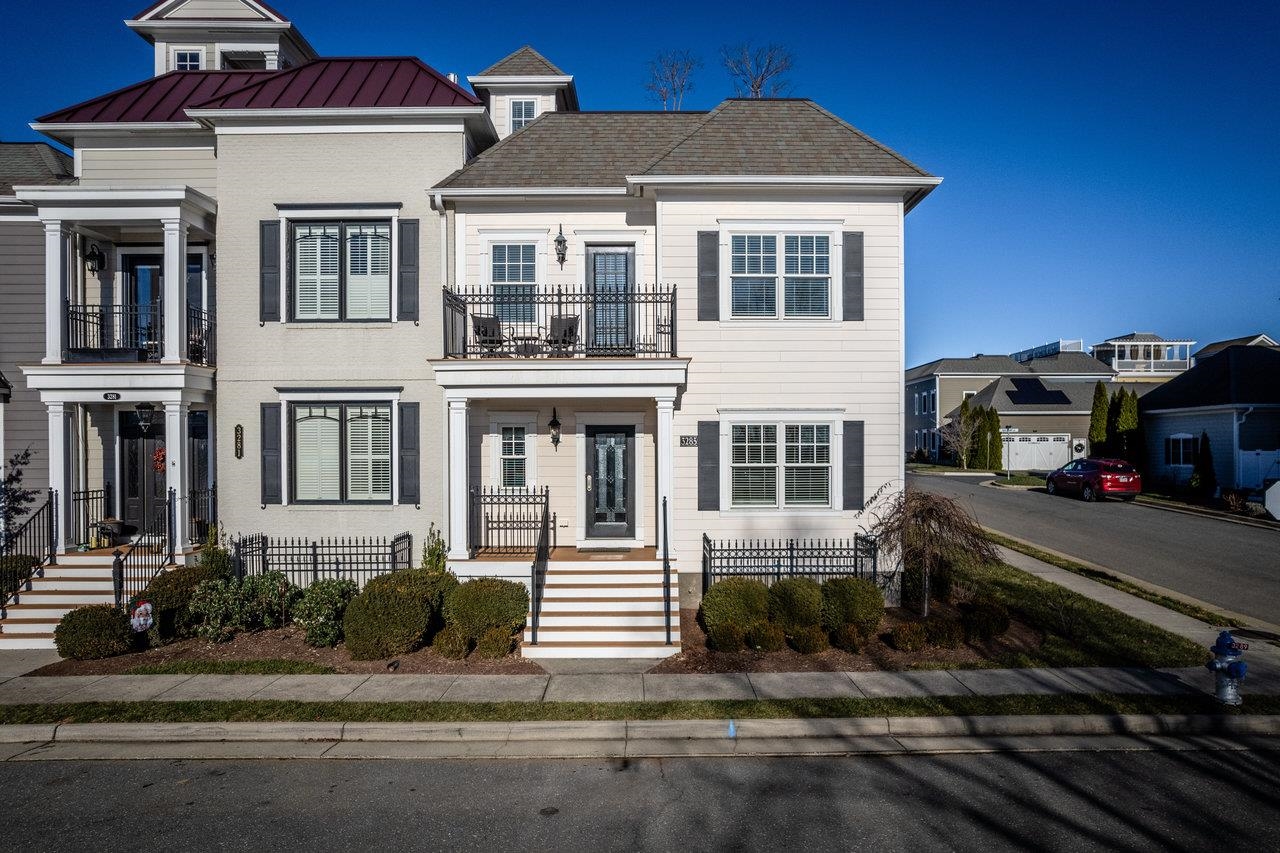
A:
1070,363
1236,376
978,365
1260,339
34,163
1143,338
525,62
1031,394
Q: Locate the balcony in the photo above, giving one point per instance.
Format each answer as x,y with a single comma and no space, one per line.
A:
133,333
1154,365
638,321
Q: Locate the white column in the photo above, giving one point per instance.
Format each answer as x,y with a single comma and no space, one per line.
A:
175,453
59,476
175,291
55,289
459,503
272,58
666,466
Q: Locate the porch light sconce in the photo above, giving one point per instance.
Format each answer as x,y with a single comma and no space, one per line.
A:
94,260
146,415
562,247
554,426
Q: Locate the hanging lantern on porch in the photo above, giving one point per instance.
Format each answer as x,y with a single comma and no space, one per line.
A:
146,415
562,247
553,426
94,260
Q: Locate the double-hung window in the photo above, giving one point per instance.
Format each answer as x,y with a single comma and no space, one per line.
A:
522,112
514,458
514,276
803,479
341,270
1181,450
804,287
341,452
188,60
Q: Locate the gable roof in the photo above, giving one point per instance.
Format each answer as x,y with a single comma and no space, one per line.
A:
156,99
1236,376
211,10
1031,394
1069,364
32,164
1258,340
978,365
523,62
347,83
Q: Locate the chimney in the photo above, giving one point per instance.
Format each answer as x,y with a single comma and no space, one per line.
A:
453,77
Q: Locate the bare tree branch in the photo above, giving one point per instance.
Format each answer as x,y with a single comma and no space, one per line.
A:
757,72
671,77
958,435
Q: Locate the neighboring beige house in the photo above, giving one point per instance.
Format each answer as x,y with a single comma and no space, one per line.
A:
346,299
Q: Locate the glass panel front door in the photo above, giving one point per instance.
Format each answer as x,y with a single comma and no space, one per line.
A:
610,486
612,286
142,321
142,468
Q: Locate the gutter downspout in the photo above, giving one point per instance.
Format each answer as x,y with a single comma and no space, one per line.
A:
1236,420
438,204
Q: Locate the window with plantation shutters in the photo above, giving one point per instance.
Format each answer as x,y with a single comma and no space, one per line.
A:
341,271
753,264
522,112
316,250
317,453
341,452
796,285
807,465
368,453
807,275
513,271
368,271
753,469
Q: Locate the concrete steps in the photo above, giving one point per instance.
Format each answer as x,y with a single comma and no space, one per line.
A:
32,614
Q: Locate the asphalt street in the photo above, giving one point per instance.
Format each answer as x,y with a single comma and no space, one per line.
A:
1193,800
1227,565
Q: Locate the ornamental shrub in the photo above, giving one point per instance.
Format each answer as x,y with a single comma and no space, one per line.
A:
217,610
483,603
851,601
810,640
170,595
452,643
944,631
93,632
267,600
848,638
985,619
388,618
494,643
764,637
740,601
907,637
795,603
428,586
727,637
320,609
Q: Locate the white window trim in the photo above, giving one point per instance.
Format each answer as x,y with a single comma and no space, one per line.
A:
603,238
175,49
288,214
511,100
832,229
528,420
1181,436
353,396
834,418
582,420
489,238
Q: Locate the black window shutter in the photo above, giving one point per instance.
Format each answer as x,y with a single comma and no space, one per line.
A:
272,493
854,487
410,453
407,304
269,271
708,275
853,263
709,465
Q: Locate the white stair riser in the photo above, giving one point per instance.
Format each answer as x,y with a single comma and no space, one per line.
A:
11,642
636,605
604,635
602,592
11,629
556,566
70,598
70,585
75,571
631,620
655,651
651,578
53,613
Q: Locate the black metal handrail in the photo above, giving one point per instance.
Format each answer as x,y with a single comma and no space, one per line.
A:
666,570
115,332
521,321
29,548
88,507
304,561
201,336
201,513
507,521
538,573
768,560
147,556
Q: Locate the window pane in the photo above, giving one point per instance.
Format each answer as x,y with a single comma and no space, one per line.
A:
807,486
807,297
369,271
755,486
369,453
315,272
316,463
753,297
513,473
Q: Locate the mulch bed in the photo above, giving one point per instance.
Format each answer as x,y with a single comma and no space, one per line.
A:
287,644
876,655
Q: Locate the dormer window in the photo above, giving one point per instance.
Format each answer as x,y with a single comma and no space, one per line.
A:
188,60
523,111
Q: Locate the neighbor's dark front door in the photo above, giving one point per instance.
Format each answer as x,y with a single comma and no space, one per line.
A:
141,453
142,325
610,312
610,485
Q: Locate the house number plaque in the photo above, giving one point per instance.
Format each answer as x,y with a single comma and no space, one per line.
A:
688,441
239,441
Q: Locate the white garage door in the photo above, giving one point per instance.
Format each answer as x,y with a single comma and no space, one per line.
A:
1036,452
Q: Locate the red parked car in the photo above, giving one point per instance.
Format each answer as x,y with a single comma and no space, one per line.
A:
1096,478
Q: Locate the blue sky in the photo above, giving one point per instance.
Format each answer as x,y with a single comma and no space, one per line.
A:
1109,167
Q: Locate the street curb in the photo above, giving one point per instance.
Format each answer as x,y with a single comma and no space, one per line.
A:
997,484
1215,516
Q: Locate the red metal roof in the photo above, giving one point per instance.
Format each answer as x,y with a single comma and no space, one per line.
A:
159,99
348,83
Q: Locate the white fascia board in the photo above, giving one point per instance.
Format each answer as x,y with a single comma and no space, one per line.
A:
608,377
517,192
86,383
784,180
520,79
338,112
1201,410
78,194
204,25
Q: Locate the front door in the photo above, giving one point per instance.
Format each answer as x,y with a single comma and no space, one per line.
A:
610,485
143,321
142,470
611,309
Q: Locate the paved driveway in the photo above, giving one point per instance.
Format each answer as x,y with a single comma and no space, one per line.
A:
1227,565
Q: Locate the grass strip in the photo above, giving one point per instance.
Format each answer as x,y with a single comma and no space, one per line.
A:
232,667
1194,611
510,712
1018,480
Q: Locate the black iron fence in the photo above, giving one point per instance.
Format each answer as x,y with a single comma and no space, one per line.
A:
88,507
666,570
768,560
508,521
304,561
137,564
538,572
31,546
521,321
201,513
114,332
201,336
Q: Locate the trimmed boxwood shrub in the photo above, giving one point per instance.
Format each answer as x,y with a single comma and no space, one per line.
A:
740,601
764,637
452,643
944,632
795,603
93,632
907,637
727,637
385,619
170,596
810,640
855,602
494,643
985,619
484,603
217,610
848,638
320,609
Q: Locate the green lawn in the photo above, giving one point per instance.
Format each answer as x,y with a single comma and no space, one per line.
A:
232,667
1018,480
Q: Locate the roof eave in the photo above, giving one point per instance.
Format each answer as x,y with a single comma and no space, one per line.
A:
558,80
921,185
515,192
211,117
65,132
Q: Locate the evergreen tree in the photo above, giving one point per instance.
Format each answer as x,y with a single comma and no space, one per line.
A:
1098,420
1127,424
995,441
1204,480
1113,418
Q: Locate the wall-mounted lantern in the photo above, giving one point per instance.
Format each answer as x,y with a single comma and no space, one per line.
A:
562,247
94,260
553,426
146,415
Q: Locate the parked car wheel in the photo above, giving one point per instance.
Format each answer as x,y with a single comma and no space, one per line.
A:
1050,486
1087,494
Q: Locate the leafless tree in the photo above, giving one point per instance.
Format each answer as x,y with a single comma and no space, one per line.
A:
757,72
958,436
671,77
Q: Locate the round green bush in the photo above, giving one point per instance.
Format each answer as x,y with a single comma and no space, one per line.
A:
452,643
385,620
267,600
810,640
944,632
320,609
848,638
217,610
484,603
795,603
907,637
170,596
740,601
93,632
727,637
763,637
494,643
852,601
985,619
